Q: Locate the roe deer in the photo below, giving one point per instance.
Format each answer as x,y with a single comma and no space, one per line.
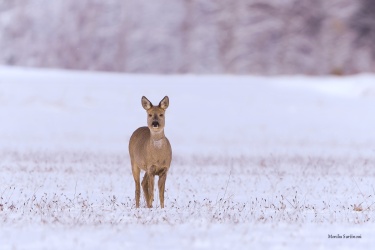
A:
151,151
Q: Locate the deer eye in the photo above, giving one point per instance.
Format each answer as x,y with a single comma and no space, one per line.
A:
161,115
149,115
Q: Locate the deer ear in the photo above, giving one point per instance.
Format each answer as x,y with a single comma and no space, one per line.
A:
164,103
146,104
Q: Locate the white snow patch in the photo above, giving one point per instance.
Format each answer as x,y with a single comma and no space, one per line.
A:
258,162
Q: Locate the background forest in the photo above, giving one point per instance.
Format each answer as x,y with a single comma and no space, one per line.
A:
191,36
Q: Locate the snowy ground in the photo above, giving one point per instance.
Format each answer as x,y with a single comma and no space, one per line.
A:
262,163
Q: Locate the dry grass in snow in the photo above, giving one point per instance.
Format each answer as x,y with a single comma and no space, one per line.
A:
87,188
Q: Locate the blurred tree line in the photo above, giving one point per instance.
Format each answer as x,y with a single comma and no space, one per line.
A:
191,36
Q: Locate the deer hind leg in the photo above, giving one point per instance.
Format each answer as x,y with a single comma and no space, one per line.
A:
151,180
145,188
161,185
136,173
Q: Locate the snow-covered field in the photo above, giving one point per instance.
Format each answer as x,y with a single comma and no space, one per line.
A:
258,163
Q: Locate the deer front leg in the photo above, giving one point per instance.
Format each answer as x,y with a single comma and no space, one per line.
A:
161,185
137,193
136,173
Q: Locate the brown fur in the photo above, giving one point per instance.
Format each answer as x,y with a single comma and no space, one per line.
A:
151,152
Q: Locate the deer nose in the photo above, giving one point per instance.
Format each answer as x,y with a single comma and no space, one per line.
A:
155,124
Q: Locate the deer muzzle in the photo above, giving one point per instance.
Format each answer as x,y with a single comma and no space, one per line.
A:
155,124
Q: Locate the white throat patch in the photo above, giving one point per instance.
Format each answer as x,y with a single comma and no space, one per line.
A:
158,143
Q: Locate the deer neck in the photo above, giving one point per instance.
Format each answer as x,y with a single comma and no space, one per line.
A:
157,137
